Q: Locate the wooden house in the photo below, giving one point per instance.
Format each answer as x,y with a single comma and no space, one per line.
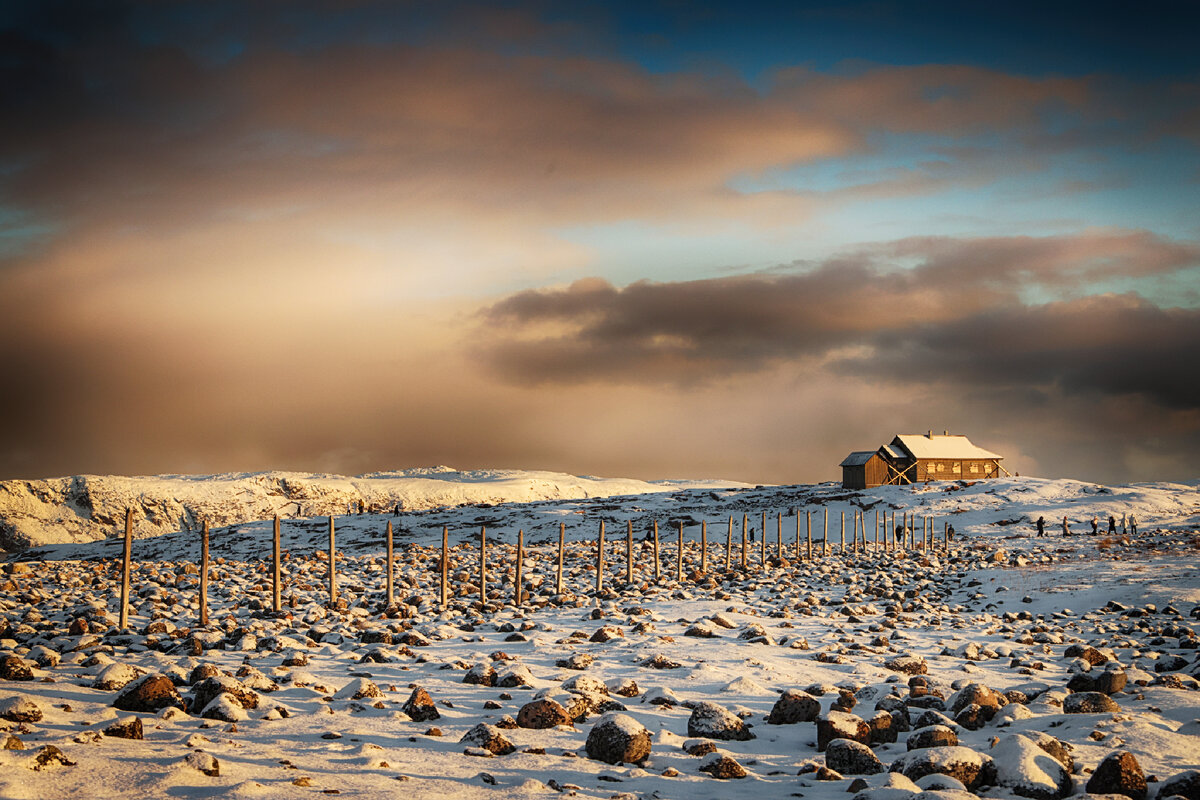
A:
916,458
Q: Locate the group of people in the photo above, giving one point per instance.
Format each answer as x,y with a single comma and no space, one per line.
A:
1128,525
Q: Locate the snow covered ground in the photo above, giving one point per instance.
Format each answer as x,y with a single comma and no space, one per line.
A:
1020,615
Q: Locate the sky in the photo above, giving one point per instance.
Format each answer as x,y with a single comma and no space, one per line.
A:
651,239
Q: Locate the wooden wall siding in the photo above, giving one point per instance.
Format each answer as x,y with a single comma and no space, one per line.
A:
931,470
866,476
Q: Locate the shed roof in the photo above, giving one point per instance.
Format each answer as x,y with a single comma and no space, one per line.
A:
857,458
950,447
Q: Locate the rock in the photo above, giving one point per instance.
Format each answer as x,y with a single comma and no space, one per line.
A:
127,728
1119,773
514,675
1089,703
420,706
883,728
1185,784
1109,680
149,694
841,725
357,689
851,758
488,737
116,676
931,736
224,707
988,700
49,757
972,769
1029,771
606,633
907,663
1087,653
723,767
202,671
19,708
618,738
623,687
14,668
794,706
482,674
207,690
1054,747
12,743
203,762
580,661
544,713
715,722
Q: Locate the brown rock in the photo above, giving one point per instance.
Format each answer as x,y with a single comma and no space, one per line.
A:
1119,773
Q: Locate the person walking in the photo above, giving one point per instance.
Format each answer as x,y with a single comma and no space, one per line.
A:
1132,525
1112,525
1041,526
1095,525
1066,527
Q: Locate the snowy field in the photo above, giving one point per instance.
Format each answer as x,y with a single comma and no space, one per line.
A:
881,672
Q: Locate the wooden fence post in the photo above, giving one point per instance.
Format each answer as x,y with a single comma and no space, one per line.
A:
276,599
762,529
679,556
744,519
877,530
204,574
520,564
445,570
825,535
629,554
796,512
843,547
391,592
333,594
657,565
562,527
600,558
127,555
729,544
779,537
808,525
483,565
946,535
703,547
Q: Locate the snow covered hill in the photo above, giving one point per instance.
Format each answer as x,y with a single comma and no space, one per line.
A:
87,508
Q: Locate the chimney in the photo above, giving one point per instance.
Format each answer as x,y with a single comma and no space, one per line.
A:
945,433
929,435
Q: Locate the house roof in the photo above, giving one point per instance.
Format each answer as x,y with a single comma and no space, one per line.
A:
857,458
949,447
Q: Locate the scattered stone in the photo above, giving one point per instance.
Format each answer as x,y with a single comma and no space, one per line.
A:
715,722
20,708
50,757
852,758
1185,784
1089,703
1119,773
203,762
489,738
931,736
544,713
972,769
149,694
14,668
482,674
723,767
794,706
618,738
208,689
420,706
907,663
127,728
1029,771
841,725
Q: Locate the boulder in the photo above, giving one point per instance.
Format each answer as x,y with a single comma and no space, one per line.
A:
357,689
19,708
1029,771
715,722
1185,784
1119,773
794,706
488,737
1089,703
207,690
149,694
841,725
908,664
722,767
14,668
419,706
618,738
852,758
932,736
126,728
972,769
544,713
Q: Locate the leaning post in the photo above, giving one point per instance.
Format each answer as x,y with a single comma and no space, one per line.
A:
483,565
520,565
679,556
391,592
703,547
126,556
204,574
600,558
562,527
332,566
276,600
445,570
629,553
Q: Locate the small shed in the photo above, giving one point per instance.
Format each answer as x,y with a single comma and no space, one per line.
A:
864,469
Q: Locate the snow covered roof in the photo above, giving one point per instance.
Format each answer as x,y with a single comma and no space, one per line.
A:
894,451
920,445
857,458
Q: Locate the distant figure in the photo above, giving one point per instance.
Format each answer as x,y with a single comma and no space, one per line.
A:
1095,525
1124,527
396,513
950,534
1112,524
1066,527
1132,525
752,534
1041,526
